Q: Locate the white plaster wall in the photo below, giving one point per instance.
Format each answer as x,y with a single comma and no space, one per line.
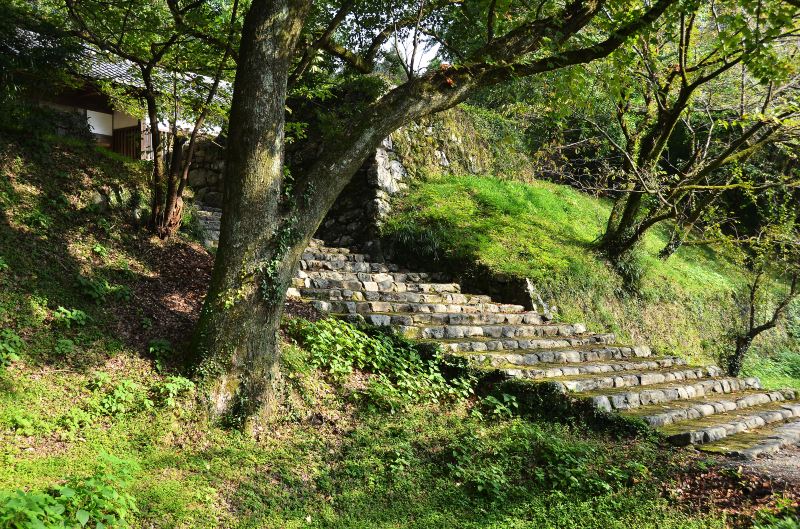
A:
100,123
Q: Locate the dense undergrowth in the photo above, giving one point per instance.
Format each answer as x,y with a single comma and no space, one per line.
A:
99,429
545,232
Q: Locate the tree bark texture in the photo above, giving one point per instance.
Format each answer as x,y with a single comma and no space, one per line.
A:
235,339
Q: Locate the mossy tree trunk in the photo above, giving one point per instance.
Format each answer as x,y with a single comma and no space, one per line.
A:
235,339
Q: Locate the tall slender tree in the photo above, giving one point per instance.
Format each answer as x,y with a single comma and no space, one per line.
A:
705,90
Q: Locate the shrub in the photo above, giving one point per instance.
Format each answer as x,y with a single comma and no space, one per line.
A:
403,372
68,317
98,502
98,289
124,397
172,388
161,350
100,250
73,421
10,347
501,408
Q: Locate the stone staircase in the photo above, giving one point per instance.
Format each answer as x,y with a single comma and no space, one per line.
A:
690,405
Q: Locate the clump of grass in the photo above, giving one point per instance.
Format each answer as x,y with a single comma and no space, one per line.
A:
778,370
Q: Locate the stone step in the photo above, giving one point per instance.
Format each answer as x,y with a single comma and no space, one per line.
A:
658,415
422,332
331,254
437,313
763,441
466,345
372,286
374,277
406,323
576,355
444,298
585,383
722,425
310,265
558,370
627,399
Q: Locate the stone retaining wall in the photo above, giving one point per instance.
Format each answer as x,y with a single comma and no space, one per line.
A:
205,174
447,141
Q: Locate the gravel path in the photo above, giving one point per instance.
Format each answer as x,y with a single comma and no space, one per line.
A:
783,466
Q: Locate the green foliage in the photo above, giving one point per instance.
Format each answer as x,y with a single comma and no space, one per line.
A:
10,347
779,369
124,397
100,250
97,502
64,346
68,317
500,408
785,516
403,372
497,466
161,351
23,423
98,289
74,421
37,219
29,66
171,389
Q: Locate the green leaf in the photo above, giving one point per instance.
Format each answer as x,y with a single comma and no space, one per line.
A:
82,516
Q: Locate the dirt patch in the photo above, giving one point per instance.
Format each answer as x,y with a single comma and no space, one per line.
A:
167,304
739,489
782,467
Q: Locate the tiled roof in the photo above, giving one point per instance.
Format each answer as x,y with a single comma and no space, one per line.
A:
98,67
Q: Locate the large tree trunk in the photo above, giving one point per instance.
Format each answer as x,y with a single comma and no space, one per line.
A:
235,339
736,359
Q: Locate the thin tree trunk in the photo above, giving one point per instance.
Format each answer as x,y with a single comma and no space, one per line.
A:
681,230
617,239
157,207
236,337
173,210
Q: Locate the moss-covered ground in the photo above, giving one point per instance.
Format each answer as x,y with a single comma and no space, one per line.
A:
684,305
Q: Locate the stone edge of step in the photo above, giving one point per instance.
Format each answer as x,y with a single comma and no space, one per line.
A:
623,400
749,422
714,406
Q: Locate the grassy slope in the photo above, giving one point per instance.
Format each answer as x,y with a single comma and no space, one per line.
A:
356,469
545,232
